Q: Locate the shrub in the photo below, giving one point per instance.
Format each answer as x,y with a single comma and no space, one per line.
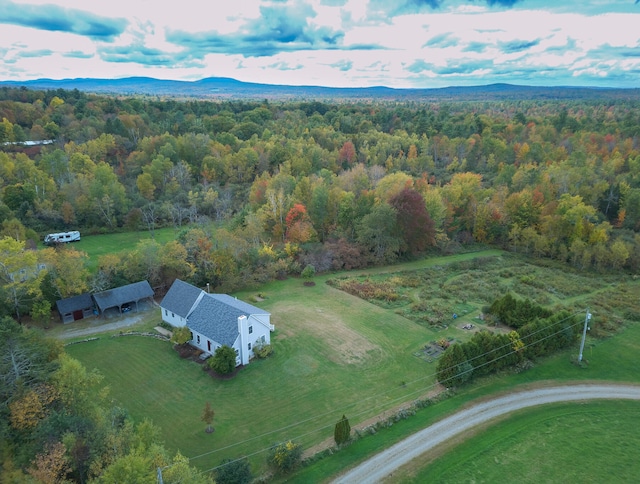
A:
515,312
284,457
262,350
308,272
233,472
180,335
368,290
443,343
223,361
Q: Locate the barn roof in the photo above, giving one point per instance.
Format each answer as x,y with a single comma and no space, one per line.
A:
75,303
125,294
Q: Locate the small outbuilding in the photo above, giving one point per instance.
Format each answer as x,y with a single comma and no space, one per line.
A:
74,308
123,296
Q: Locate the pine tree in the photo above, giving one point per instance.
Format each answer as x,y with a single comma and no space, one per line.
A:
342,431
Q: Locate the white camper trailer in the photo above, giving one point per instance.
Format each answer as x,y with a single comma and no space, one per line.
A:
62,237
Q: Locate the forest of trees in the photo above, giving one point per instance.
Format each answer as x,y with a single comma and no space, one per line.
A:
297,184
57,423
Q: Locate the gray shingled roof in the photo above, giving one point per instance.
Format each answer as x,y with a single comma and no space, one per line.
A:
180,298
242,306
118,296
215,320
216,317
75,303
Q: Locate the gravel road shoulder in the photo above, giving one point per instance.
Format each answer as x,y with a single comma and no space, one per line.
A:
378,467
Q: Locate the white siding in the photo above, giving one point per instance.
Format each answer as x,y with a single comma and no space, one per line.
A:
172,318
260,325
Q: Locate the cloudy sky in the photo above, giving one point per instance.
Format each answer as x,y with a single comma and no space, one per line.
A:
396,43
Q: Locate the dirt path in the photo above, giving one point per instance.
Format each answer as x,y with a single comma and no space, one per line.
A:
100,326
380,466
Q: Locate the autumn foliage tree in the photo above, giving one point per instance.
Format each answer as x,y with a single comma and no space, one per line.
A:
414,222
28,410
347,154
50,467
207,416
285,457
299,226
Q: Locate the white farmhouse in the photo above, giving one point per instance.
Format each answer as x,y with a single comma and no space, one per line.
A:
216,320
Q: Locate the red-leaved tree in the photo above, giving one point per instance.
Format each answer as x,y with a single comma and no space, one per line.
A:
414,222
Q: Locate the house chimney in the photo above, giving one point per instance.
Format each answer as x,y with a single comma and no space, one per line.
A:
243,330
241,321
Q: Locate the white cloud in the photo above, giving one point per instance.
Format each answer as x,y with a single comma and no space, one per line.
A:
330,42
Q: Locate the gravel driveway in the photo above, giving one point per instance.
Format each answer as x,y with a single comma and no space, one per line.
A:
383,464
99,326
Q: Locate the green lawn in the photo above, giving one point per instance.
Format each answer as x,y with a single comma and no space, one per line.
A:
584,442
98,245
334,354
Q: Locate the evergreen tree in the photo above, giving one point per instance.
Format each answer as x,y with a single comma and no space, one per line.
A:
453,367
342,431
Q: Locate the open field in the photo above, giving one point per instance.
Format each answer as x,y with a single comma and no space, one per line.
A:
98,245
334,353
431,296
584,442
611,359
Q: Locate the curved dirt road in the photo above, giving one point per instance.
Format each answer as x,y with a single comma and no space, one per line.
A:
381,465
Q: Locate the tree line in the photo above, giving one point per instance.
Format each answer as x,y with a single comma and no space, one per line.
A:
259,190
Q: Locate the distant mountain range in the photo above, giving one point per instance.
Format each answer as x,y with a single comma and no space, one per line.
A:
226,88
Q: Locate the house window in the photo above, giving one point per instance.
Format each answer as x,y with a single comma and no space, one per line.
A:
191,333
263,339
209,346
249,346
198,339
250,329
166,312
237,352
173,315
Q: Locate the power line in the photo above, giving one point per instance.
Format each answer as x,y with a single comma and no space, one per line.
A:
402,397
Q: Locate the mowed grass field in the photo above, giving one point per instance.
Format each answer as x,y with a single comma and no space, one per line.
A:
583,442
98,245
334,354
610,359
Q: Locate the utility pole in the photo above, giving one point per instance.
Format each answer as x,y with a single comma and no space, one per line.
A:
584,334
